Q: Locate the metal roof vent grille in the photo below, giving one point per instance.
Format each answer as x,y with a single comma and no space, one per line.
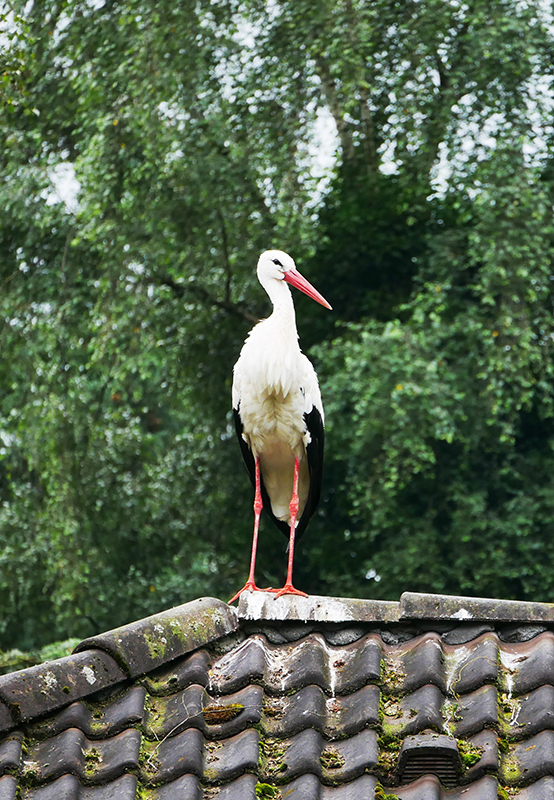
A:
429,754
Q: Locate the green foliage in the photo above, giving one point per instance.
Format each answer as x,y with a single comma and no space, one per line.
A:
445,419
192,131
14,659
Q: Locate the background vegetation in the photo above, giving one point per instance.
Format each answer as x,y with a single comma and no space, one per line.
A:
194,131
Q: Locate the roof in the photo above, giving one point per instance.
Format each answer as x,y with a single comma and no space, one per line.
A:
432,698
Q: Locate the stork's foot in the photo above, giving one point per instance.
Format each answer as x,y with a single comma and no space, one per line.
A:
288,588
249,586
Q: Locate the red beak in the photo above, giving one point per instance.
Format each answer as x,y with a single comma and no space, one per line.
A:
297,280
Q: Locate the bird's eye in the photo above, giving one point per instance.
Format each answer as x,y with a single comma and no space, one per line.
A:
277,262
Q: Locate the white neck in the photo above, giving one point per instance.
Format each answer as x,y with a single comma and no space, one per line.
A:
283,306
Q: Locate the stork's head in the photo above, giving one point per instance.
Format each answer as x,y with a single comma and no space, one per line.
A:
279,266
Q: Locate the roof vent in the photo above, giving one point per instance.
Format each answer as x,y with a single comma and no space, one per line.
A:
429,753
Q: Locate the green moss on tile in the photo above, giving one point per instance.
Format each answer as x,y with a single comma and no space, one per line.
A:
159,685
154,716
381,794
507,792
92,759
265,791
163,633
470,754
157,642
331,758
211,756
510,769
204,625
389,746
451,715
30,776
260,728
149,763
142,793
391,715
508,710
273,707
392,674
271,759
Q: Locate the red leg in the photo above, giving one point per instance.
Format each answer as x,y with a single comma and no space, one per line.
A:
288,588
250,584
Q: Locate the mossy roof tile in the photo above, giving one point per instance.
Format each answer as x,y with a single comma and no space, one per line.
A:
36,690
142,646
200,703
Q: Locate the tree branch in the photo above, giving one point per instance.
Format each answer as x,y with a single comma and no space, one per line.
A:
225,305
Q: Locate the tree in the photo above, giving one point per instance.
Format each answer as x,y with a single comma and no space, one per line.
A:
192,132
448,460
122,318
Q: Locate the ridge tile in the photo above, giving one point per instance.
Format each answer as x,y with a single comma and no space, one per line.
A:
37,690
8,787
144,645
414,605
264,605
10,753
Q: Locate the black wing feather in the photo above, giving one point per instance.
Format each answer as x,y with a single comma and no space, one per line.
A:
314,451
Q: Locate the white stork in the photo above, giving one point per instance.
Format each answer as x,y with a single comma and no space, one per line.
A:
278,413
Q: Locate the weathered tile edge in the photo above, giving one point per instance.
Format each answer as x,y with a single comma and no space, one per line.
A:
148,643
314,608
414,605
6,718
31,692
